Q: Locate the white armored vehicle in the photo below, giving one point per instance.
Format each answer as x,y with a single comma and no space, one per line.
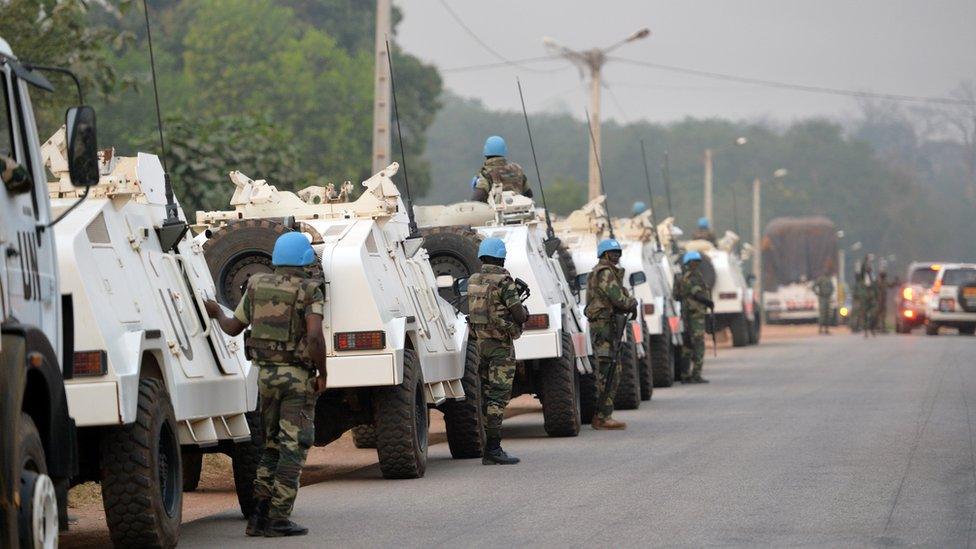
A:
735,305
395,347
153,380
553,350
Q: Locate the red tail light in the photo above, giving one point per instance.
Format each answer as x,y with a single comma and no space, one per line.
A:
727,295
89,363
908,313
360,341
648,308
536,322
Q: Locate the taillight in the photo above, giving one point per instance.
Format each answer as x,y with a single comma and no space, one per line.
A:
727,295
89,363
536,322
908,313
648,308
907,293
360,341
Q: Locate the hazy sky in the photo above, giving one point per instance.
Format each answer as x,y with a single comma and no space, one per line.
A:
892,46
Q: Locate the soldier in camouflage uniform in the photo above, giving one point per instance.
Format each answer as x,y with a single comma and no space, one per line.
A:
496,315
824,288
881,302
606,298
498,170
704,231
695,297
865,298
285,310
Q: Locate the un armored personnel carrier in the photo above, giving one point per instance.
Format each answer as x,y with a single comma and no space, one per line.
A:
553,350
153,379
395,347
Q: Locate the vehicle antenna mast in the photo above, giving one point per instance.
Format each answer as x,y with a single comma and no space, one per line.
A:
550,233
412,223
599,165
650,195
666,174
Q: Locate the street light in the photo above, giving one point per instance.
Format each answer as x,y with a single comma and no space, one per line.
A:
593,60
739,141
756,229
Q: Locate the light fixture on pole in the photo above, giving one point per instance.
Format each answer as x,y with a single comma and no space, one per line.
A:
757,228
592,61
709,184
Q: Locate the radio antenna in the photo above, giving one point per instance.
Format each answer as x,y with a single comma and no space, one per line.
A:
599,166
650,194
666,175
411,222
550,234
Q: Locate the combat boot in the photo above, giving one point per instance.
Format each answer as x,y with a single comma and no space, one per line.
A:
698,379
608,424
258,522
279,528
494,455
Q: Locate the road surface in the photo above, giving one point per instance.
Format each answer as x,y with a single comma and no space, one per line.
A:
821,441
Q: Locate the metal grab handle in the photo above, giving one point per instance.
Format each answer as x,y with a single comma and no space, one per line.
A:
203,327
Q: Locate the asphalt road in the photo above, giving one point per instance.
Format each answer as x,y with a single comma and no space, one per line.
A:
819,441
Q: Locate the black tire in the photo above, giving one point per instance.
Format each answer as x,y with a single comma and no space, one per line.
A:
968,330
662,361
931,328
646,370
755,326
561,393
245,458
587,388
628,391
364,436
37,515
740,330
453,251
401,423
192,467
237,252
465,430
142,477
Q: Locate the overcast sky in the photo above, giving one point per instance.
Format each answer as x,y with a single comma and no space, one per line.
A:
893,46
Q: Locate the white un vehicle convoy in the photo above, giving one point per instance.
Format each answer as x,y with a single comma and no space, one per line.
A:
552,352
110,369
395,347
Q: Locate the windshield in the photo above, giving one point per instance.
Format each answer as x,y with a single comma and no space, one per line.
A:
958,277
923,277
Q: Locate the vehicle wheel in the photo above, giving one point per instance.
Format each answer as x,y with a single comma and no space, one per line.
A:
587,388
561,393
142,477
37,517
364,436
755,326
453,251
968,330
239,251
628,392
465,430
192,467
740,330
401,423
662,361
931,328
646,370
245,458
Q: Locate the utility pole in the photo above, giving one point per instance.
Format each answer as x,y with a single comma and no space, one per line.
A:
756,238
708,187
592,62
381,88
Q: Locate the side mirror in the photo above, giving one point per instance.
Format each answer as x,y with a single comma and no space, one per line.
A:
638,278
460,287
82,146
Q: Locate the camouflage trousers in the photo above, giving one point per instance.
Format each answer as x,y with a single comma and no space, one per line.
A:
606,371
824,304
694,347
287,398
497,369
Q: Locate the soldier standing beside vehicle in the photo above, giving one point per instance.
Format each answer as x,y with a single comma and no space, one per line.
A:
496,315
498,170
824,288
608,304
864,296
704,231
691,290
881,302
285,310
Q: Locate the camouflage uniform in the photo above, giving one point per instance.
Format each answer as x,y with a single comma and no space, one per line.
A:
498,170
864,302
606,297
492,296
275,305
824,288
881,303
704,234
691,290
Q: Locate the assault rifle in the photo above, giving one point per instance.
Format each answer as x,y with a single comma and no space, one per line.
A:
619,325
523,289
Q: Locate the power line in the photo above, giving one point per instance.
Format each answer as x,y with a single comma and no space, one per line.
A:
797,87
504,60
507,63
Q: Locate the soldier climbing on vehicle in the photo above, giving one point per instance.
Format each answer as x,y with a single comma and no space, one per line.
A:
695,297
608,306
285,310
704,231
498,170
496,315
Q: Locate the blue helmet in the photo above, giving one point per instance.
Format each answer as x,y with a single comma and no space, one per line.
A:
690,256
292,250
495,146
492,247
608,245
638,208
702,222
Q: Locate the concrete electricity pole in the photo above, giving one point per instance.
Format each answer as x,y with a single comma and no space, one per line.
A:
381,88
757,230
709,179
592,61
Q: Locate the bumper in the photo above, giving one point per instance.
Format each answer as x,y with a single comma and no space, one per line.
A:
534,345
792,315
94,404
952,318
361,371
